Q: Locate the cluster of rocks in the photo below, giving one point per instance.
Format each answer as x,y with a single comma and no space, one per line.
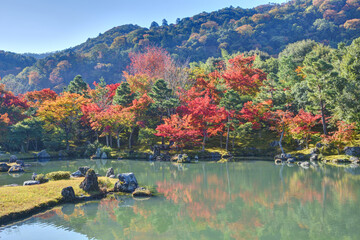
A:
99,154
180,158
13,166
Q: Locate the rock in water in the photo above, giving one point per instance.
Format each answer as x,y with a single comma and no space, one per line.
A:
43,154
83,170
77,174
68,194
20,162
141,192
31,182
305,165
90,183
109,172
13,159
16,169
4,167
127,183
33,176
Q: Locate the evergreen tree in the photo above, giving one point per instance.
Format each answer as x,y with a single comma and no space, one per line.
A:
164,23
232,103
154,25
162,96
77,86
123,95
321,80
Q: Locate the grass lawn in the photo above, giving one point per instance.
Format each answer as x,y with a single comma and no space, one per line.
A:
23,200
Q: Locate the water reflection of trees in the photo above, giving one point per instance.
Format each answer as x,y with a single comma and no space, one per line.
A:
239,201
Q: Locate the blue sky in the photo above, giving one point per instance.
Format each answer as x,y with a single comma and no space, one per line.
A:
40,26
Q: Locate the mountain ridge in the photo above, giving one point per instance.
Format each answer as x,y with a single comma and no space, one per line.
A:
268,28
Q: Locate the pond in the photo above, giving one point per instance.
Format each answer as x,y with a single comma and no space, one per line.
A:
206,200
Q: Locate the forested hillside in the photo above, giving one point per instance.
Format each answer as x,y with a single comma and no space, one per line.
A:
12,63
269,28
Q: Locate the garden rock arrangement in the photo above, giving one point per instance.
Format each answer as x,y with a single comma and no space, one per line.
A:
110,173
16,169
352,151
81,172
68,194
31,182
181,158
43,154
4,167
90,183
141,192
127,183
13,159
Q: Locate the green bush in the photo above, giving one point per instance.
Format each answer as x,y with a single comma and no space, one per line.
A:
41,178
59,175
91,148
106,150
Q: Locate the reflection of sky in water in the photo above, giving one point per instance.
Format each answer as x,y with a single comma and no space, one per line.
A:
39,231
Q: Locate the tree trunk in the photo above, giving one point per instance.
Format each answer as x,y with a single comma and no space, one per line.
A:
280,145
221,140
27,145
67,140
233,142
307,141
203,145
111,140
227,137
130,138
323,116
107,140
118,140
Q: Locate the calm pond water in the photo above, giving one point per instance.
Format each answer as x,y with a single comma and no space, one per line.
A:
241,200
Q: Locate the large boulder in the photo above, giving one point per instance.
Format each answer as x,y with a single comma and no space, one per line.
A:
98,153
20,162
77,174
16,169
68,194
43,154
127,183
352,151
31,182
13,159
4,167
110,172
90,183
104,155
181,158
83,170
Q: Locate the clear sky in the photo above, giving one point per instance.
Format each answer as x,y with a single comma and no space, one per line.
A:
40,26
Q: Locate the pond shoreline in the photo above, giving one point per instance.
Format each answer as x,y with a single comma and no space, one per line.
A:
33,207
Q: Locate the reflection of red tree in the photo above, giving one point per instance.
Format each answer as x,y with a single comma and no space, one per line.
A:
47,215
109,206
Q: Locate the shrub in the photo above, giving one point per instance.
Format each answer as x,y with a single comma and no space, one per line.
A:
91,148
106,150
59,175
41,178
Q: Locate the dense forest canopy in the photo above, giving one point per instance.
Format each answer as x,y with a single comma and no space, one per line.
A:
308,94
268,28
